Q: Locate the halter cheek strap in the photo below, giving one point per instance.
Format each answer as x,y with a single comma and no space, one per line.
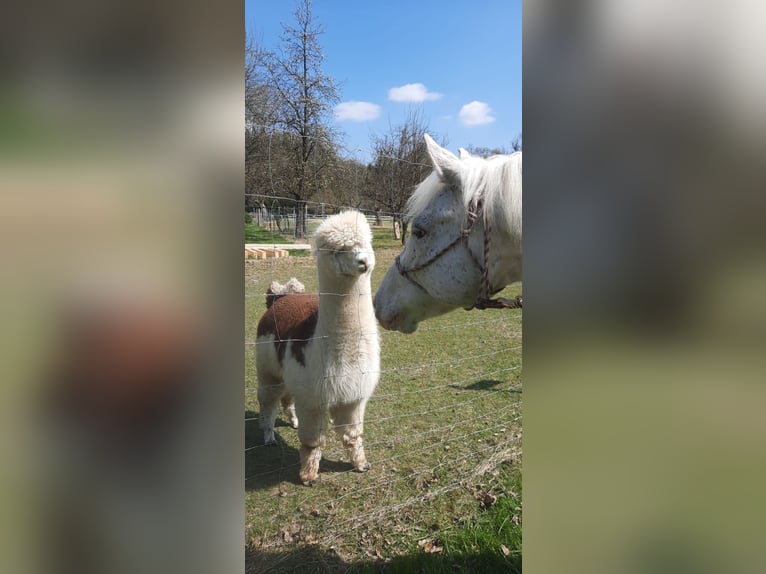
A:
483,300
406,272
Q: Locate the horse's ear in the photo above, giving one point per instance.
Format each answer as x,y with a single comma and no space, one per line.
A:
446,163
464,153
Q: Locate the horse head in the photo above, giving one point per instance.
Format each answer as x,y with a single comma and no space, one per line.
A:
465,243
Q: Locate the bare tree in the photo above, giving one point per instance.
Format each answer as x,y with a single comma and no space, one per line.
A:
262,155
482,151
305,95
401,163
344,184
516,143
261,103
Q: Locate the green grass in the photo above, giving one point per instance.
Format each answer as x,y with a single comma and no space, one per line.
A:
489,541
254,233
443,433
383,236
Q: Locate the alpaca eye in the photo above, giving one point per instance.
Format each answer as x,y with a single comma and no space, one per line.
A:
418,232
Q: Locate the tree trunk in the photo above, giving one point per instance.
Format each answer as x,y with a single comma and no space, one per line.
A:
301,226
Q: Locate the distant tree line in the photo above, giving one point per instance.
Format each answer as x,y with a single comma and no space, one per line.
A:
291,149
490,151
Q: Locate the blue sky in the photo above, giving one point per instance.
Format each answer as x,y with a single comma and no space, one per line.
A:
459,62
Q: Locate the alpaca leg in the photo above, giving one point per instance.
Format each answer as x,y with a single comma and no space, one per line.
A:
269,394
311,436
289,406
348,422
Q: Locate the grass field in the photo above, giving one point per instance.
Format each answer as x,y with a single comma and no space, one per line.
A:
383,236
257,234
443,433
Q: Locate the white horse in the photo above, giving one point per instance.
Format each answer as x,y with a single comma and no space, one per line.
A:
465,244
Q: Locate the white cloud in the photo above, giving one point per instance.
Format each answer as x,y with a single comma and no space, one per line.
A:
412,93
476,114
356,111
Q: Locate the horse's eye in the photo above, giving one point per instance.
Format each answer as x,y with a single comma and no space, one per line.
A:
418,232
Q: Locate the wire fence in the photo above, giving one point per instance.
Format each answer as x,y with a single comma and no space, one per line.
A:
442,426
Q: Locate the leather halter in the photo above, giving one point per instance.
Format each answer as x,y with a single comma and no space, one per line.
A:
483,300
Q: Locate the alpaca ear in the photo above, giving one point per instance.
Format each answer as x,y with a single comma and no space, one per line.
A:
464,153
446,163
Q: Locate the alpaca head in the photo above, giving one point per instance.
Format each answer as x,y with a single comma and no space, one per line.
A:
343,245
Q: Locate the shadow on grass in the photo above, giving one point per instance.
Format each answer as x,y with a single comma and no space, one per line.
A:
485,561
484,385
298,559
312,558
268,466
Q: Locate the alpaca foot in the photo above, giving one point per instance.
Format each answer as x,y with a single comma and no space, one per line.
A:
269,438
291,416
356,454
307,480
310,458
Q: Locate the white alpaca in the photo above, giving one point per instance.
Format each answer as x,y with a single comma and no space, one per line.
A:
323,351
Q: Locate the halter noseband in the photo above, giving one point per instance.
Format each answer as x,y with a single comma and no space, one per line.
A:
483,300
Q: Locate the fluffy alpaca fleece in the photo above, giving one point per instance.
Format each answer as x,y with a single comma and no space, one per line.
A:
277,290
320,353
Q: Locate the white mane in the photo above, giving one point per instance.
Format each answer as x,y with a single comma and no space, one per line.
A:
496,180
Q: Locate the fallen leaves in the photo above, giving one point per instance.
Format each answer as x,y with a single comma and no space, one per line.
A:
430,546
424,483
487,500
290,533
375,554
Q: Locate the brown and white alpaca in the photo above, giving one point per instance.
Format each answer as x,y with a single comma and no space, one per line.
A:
323,351
276,291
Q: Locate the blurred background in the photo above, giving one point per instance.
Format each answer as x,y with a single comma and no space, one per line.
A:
121,170
121,137
645,275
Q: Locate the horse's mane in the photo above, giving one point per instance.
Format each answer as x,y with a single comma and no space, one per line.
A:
496,180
